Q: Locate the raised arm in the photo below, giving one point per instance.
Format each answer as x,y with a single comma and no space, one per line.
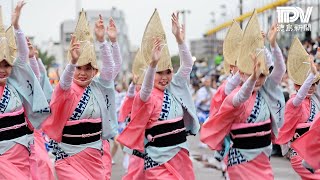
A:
303,91
22,46
148,80
112,34
247,88
131,90
245,92
41,66
268,57
117,59
186,62
279,64
232,83
106,57
67,75
33,61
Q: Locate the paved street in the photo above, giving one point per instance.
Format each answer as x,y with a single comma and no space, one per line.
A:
281,166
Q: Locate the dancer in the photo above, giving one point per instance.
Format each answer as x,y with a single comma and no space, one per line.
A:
83,106
23,104
256,107
163,112
301,108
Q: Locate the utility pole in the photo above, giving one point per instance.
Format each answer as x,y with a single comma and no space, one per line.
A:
241,6
184,13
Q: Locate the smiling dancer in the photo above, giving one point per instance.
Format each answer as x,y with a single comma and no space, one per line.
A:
163,112
83,106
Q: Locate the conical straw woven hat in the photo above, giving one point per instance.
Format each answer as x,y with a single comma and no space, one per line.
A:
84,36
4,46
139,67
298,65
252,42
232,44
226,67
12,44
153,30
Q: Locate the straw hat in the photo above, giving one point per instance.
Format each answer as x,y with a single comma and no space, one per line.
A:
226,67
85,38
252,42
232,44
297,64
155,29
12,44
139,67
4,46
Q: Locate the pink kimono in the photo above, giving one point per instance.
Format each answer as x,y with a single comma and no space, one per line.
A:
136,164
299,116
218,98
307,146
125,109
23,107
251,119
134,134
165,132
82,120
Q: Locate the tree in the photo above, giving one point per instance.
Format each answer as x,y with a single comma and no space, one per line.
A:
175,62
46,59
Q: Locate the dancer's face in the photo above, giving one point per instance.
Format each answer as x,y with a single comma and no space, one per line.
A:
83,75
259,83
312,89
262,78
163,79
5,71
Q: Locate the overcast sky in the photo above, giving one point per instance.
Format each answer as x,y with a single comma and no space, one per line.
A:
42,18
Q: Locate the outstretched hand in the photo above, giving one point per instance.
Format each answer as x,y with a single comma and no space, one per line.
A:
156,52
112,30
312,65
272,35
99,29
177,31
256,67
32,50
74,49
16,14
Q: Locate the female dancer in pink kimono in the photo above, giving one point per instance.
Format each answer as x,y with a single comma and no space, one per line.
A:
83,106
251,115
163,114
232,83
21,111
300,113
